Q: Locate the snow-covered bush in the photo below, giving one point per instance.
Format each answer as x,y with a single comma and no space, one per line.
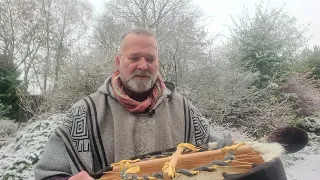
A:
19,156
267,41
225,92
85,74
3,110
7,128
311,124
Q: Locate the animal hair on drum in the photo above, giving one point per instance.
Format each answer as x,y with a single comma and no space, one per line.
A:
238,161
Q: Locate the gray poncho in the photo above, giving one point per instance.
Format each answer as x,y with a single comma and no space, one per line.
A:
99,131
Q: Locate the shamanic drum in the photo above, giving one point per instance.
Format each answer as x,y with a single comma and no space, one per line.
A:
242,161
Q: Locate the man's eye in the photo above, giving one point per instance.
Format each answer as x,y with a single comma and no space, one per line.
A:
134,58
150,60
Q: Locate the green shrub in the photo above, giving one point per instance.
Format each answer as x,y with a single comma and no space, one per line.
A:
8,88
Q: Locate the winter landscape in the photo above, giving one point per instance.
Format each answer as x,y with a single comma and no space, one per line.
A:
260,74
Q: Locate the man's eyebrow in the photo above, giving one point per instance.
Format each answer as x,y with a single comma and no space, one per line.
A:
139,54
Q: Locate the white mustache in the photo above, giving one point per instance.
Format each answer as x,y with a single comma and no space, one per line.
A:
140,73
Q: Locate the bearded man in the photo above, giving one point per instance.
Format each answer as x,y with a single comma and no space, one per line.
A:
134,112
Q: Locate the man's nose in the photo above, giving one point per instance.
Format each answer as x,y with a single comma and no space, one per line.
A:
143,64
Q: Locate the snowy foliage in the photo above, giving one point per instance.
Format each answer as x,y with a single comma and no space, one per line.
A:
7,127
267,42
3,110
81,80
311,124
224,91
19,156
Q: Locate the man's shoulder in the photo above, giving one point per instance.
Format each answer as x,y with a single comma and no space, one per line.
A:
170,86
172,93
88,99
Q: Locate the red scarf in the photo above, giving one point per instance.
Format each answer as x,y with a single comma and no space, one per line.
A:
130,104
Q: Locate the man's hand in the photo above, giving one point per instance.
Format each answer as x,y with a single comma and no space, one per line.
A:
83,175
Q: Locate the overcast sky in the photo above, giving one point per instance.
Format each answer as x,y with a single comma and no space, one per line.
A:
306,11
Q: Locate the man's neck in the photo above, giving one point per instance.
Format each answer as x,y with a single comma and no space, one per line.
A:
137,96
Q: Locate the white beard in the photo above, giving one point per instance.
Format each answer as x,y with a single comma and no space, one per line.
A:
139,86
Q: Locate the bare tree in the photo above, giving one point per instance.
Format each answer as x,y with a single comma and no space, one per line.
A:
19,33
38,35
45,10
176,23
70,19
107,34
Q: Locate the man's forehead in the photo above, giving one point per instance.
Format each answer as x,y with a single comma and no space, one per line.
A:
132,37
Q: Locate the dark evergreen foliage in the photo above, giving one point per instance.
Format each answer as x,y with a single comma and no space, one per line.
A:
8,88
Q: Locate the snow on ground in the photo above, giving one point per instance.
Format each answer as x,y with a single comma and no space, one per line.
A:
305,164
19,156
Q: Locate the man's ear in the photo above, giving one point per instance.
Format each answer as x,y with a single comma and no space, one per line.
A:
118,61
